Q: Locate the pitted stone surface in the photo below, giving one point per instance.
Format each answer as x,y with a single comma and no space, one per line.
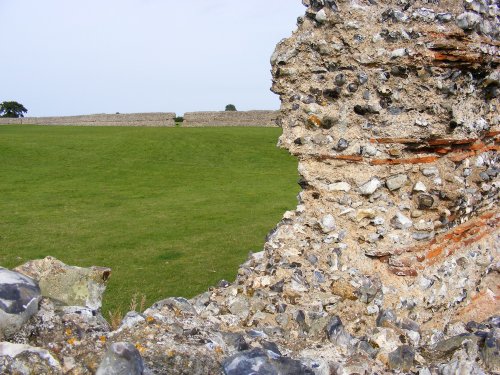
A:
19,297
121,358
71,286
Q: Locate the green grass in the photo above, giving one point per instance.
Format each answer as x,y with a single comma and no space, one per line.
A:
170,210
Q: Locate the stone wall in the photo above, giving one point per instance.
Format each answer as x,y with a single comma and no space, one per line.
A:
126,119
389,263
231,118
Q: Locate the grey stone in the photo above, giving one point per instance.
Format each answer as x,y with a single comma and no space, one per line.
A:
342,145
419,187
430,171
468,21
339,186
362,78
400,221
369,289
21,359
327,223
69,285
490,352
340,79
368,150
370,187
446,348
321,16
236,341
337,334
352,87
174,303
444,17
386,318
425,201
262,362
240,307
121,358
19,298
396,182
423,236
402,358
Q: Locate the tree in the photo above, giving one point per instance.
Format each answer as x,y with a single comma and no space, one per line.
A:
12,109
230,107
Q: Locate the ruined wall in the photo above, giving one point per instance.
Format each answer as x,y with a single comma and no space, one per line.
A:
390,262
125,119
231,118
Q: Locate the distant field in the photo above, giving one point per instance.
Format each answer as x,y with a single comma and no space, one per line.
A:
170,210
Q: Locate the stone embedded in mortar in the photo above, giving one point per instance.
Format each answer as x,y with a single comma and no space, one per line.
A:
23,359
121,358
265,362
19,298
370,187
396,182
71,286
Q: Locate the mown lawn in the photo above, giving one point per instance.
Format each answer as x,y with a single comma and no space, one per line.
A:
170,210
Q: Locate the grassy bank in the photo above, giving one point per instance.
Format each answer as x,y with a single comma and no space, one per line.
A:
170,210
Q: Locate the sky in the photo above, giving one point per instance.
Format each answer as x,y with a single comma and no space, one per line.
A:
71,57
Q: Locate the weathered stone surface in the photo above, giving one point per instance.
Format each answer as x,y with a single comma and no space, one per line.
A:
22,359
72,286
121,358
258,361
19,298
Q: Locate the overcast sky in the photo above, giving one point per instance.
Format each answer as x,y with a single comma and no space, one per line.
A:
70,57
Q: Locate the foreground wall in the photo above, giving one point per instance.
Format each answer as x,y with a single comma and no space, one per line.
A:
132,119
389,264
231,118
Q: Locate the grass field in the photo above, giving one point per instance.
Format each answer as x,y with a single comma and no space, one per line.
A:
170,210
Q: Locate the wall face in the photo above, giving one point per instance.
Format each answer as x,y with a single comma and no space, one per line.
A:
132,119
390,261
393,112
231,118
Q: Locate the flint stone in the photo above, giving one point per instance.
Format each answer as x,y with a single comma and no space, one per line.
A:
69,285
240,307
262,362
19,298
425,201
174,303
327,224
491,350
121,358
26,360
337,334
321,16
468,20
400,221
446,348
369,289
236,341
420,187
402,358
386,339
370,187
396,182
339,186
386,318
430,171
